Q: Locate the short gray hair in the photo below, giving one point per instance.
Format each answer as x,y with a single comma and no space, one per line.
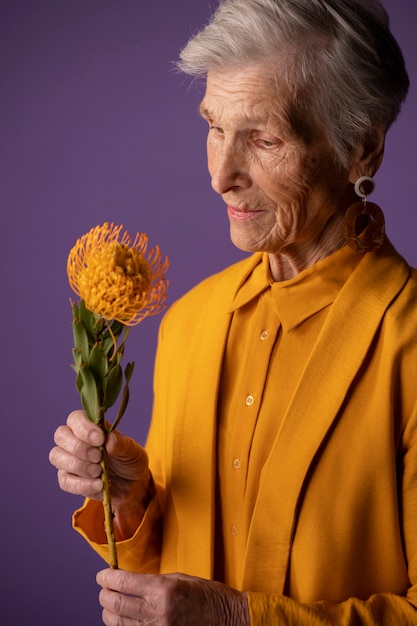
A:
344,69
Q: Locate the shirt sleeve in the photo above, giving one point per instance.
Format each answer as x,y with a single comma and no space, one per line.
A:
382,609
140,553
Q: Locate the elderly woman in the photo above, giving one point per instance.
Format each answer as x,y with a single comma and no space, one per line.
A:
283,444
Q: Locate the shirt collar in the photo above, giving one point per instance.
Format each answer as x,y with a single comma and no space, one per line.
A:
258,280
304,295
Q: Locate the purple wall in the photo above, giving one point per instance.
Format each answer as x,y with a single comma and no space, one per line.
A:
95,125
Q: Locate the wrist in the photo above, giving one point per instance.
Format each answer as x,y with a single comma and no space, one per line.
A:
243,616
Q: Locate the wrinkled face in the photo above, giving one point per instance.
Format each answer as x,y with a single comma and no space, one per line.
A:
280,188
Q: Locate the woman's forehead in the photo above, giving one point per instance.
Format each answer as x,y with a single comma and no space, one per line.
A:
252,92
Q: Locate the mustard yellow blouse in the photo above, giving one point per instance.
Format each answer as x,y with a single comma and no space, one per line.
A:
273,329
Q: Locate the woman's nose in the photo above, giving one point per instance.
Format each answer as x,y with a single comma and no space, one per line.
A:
228,169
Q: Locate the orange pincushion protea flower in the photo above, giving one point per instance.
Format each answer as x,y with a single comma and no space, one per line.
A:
117,278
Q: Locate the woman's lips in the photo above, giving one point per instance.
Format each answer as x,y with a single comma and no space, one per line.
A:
240,214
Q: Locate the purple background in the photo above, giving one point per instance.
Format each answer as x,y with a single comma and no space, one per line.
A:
95,125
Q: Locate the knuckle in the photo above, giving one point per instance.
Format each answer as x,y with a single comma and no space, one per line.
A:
63,480
76,416
117,603
71,484
121,581
72,465
79,425
60,434
52,457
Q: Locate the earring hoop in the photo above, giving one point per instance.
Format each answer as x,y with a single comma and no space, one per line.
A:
364,186
364,222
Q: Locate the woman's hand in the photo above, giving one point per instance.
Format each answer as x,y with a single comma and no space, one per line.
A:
172,599
77,457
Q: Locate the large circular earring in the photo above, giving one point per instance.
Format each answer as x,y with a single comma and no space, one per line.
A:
364,222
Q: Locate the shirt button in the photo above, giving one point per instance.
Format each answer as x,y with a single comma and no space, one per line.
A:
236,464
234,531
249,400
264,335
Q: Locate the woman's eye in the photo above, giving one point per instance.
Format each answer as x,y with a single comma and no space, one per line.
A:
265,142
217,130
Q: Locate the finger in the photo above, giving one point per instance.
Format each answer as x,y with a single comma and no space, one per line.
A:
131,595
80,486
63,460
77,476
83,429
123,606
66,440
123,447
124,582
127,457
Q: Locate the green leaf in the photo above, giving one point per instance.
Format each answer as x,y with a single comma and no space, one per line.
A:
121,350
112,385
77,356
93,323
107,343
99,324
75,312
129,371
107,339
116,328
122,408
80,339
97,362
79,381
86,385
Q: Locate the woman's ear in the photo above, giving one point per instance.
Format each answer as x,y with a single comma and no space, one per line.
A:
369,157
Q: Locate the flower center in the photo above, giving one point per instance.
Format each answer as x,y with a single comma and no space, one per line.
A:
114,281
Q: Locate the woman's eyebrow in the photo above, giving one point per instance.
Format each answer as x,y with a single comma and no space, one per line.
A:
203,111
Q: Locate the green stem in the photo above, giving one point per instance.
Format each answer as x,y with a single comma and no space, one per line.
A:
108,513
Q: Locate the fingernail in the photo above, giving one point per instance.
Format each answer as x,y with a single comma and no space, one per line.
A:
96,438
98,485
94,470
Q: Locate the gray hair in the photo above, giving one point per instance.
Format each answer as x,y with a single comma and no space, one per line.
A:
344,69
